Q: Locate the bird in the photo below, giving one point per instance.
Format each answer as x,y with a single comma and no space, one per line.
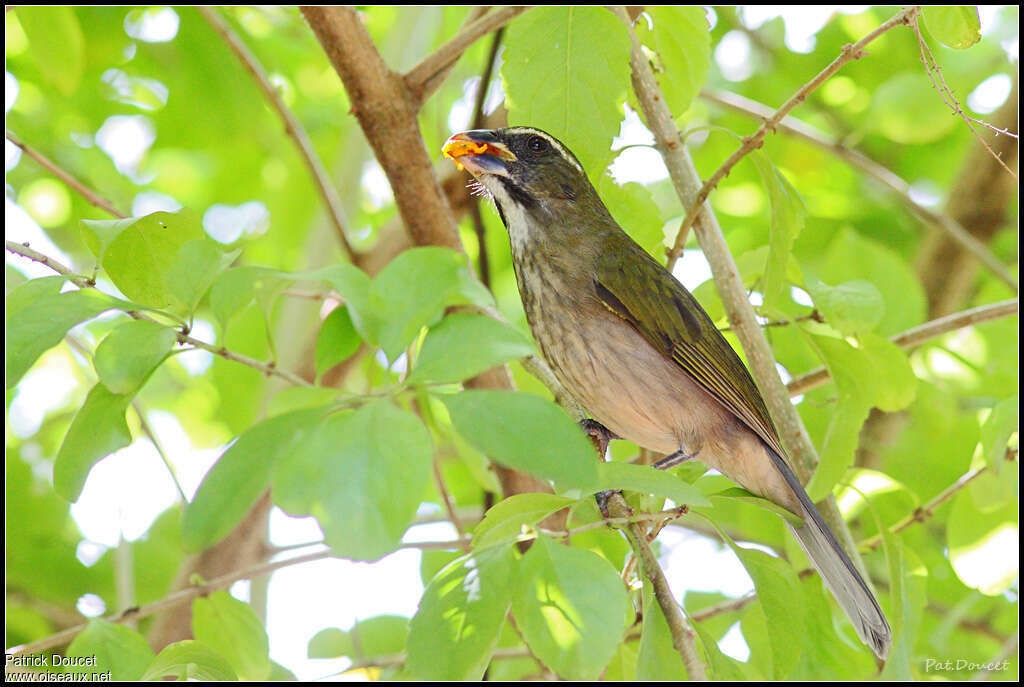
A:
635,348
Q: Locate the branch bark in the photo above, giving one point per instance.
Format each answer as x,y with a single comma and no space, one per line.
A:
728,282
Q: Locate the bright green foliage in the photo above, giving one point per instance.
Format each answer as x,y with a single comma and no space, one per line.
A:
361,474
571,608
229,627
527,433
116,648
228,242
680,39
460,616
957,26
566,71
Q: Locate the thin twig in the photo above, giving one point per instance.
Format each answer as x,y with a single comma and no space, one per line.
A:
151,435
935,74
917,336
55,169
268,369
923,513
421,80
293,128
751,143
170,601
881,174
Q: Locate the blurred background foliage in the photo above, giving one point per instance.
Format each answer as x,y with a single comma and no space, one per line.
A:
150,108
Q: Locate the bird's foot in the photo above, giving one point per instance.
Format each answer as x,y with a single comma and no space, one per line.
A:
674,459
599,434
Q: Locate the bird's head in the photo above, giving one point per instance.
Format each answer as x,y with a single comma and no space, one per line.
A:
527,171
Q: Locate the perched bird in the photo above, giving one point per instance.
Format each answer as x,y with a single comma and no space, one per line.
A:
633,346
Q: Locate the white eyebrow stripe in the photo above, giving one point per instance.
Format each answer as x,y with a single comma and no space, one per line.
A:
554,144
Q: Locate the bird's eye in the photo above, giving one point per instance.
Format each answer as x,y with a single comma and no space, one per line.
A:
537,144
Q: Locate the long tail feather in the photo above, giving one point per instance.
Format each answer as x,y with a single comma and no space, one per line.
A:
836,568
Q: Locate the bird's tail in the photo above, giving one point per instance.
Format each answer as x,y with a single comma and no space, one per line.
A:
836,568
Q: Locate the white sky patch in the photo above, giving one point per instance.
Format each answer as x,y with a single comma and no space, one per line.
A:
375,184
637,162
45,388
10,91
126,138
147,202
990,94
692,269
91,606
228,223
190,464
197,361
12,155
802,21
20,227
732,55
154,25
123,495
733,643
926,192
462,109
719,569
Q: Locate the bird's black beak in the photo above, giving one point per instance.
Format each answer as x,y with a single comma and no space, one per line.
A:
479,152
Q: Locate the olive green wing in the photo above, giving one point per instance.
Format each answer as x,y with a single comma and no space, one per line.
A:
672,321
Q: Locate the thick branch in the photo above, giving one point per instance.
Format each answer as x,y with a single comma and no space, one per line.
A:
917,336
943,221
292,127
751,143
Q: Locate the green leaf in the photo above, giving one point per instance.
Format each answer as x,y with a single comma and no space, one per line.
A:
239,287
681,38
633,207
330,642
99,429
981,544
505,520
894,383
852,307
779,593
527,433
38,318
657,659
908,578
412,291
190,660
460,617
196,266
139,258
361,474
231,628
647,480
999,426
787,221
129,354
337,341
958,26
56,40
723,667
566,71
463,345
354,287
241,475
571,608
744,496
115,648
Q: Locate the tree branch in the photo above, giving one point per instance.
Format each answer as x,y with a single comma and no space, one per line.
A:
886,177
55,169
917,336
750,143
422,79
268,369
292,127
727,280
